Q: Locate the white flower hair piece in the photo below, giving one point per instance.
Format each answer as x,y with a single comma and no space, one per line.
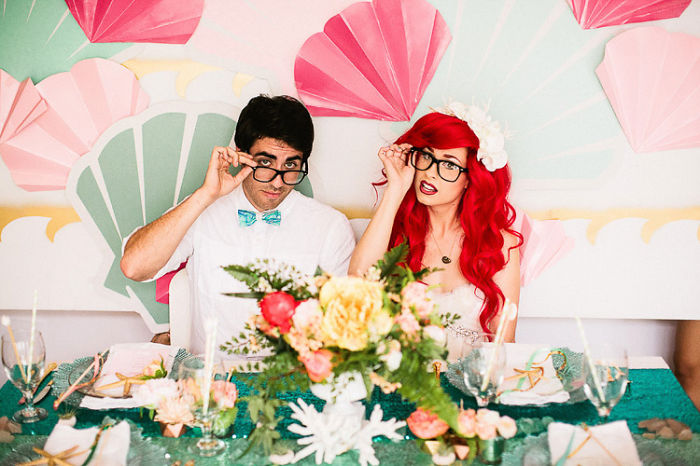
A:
491,137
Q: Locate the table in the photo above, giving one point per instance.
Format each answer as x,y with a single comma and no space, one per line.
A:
653,393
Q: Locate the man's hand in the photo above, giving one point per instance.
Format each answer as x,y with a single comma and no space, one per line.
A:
399,173
218,181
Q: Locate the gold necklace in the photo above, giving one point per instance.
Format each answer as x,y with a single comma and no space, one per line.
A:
445,259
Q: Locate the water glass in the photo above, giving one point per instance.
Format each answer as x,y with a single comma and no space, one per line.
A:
23,357
197,381
483,367
606,381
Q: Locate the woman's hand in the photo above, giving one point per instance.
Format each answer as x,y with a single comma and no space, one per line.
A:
218,181
399,172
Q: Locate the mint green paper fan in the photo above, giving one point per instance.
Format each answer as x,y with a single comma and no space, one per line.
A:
39,38
534,65
141,167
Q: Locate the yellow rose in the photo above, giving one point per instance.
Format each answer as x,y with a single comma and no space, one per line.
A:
351,304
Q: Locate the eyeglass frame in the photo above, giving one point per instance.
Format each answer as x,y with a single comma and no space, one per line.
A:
412,152
304,171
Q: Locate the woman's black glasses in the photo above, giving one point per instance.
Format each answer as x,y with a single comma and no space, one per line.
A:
423,160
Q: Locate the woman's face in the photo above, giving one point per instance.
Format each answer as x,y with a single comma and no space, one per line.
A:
431,189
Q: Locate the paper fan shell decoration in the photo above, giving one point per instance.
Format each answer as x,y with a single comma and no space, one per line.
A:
20,104
600,13
81,104
544,243
373,60
652,80
161,21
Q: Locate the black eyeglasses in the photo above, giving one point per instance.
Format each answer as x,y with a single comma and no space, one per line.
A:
289,177
423,160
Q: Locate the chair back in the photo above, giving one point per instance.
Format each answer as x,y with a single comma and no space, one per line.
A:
180,310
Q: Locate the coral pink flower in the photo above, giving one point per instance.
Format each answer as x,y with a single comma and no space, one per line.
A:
425,424
467,422
318,364
224,393
485,430
278,308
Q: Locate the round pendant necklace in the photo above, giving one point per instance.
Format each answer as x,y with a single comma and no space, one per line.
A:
445,259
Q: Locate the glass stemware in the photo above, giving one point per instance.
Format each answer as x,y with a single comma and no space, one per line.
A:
484,360
23,357
606,381
197,381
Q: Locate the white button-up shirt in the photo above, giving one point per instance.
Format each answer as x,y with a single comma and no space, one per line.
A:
310,235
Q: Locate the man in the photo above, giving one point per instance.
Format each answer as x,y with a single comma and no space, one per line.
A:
237,219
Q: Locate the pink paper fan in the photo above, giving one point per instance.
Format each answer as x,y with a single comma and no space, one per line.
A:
20,104
161,21
373,60
600,13
82,103
652,80
163,285
544,243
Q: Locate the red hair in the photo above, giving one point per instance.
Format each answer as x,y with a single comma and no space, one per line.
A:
484,210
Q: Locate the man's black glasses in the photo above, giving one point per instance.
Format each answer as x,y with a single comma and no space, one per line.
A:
289,177
447,170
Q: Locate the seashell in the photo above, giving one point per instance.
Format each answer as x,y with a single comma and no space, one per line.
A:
20,104
544,243
161,21
139,168
81,104
373,60
664,68
46,32
600,13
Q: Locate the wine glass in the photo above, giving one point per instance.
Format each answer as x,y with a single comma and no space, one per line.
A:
483,367
23,357
606,381
197,381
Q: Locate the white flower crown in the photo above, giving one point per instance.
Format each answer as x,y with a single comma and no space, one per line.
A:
491,137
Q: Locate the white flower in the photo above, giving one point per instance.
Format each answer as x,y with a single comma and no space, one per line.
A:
436,334
491,137
307,316
392,357
154,391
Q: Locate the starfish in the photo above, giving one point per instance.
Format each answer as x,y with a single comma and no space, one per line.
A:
59,459
124,380
533,375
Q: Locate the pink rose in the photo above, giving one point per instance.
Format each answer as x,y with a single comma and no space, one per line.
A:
485,431
224,393
318,364
414,296
278,308
506,427
425,424
467,422
408,323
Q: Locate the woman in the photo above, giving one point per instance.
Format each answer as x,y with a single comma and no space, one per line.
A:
448,199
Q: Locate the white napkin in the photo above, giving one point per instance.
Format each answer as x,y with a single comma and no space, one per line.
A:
111,450
128,359
615,436
548,390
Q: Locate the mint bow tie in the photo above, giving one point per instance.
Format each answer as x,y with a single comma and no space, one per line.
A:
247,217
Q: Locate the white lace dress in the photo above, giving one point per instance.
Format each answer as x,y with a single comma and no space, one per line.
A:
465,301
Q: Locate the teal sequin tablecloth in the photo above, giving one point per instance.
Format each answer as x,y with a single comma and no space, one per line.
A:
653,393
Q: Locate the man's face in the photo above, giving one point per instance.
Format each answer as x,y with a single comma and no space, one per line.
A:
268,152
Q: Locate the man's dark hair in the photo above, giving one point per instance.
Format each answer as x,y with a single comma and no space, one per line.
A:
281,117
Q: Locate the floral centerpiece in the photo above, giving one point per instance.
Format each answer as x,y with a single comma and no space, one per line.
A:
380,329
172,403
483,432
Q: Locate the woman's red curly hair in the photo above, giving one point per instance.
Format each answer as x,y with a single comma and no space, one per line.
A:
484,210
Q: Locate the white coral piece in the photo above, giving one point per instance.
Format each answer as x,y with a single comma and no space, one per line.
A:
339,428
